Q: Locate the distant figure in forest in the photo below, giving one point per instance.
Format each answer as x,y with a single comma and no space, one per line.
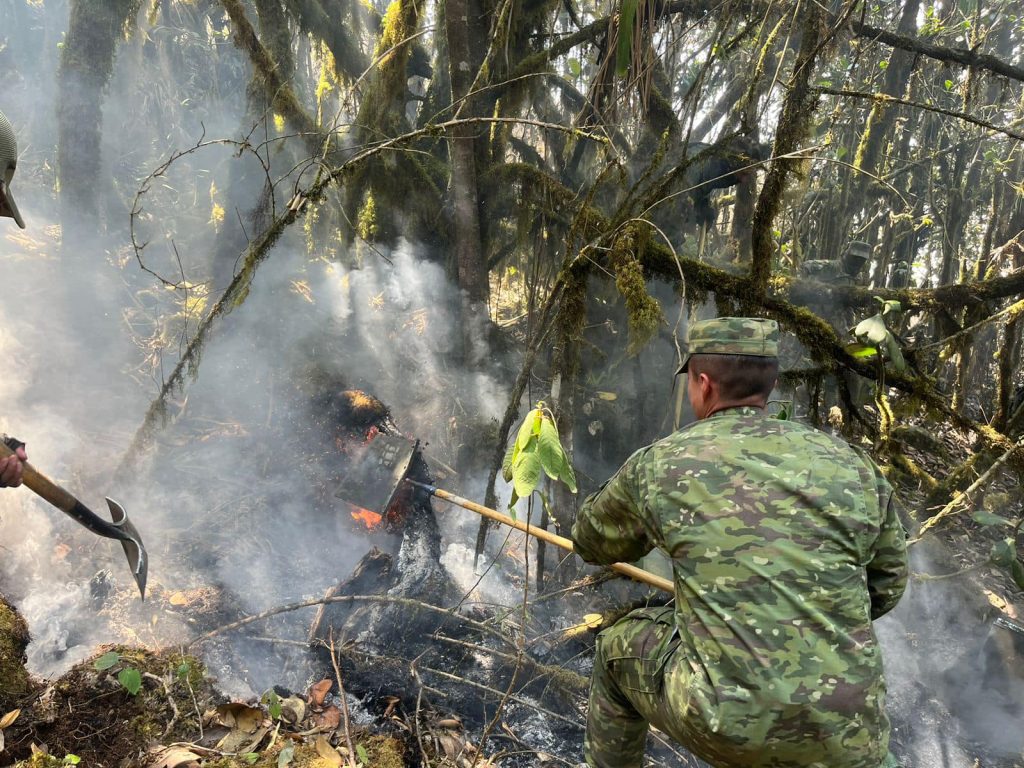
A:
785,545
8,164
725,166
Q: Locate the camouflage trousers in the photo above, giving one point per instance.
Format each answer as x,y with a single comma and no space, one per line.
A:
626,690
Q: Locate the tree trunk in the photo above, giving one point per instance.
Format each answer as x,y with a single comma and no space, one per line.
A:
86,62
248,198
471,267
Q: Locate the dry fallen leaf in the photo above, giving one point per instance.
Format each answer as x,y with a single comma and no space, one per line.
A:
327,752
241,716
173,757
8,720
329,719
319,691
178,598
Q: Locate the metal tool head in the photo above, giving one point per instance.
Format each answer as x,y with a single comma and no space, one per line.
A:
376,476
134,550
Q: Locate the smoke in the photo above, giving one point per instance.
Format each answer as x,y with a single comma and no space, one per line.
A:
236,502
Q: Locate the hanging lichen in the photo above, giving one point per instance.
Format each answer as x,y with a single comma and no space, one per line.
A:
643,312
367,226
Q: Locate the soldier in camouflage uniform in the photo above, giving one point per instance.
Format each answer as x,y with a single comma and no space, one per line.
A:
785,544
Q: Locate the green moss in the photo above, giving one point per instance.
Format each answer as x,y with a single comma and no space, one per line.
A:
14,680
39,760
383,752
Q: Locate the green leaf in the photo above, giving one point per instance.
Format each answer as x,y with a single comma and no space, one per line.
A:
184,670
624,49
526,473
895,354
528,428
575,68
107,660
131,679
1004,552
552,457
364,756
285,756
1017,569
891,307
858,350
872,330
71,760
273,702
506,463
251,757
987,518
512,503
949,85
783,414
567,475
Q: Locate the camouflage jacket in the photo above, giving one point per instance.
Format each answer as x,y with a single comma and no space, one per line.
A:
785,543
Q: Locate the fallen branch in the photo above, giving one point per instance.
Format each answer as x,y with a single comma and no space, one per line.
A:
344,705
964,497
504,695
405,601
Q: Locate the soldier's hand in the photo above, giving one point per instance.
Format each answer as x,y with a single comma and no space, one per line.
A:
10,469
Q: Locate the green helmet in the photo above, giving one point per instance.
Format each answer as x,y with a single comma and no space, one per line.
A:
8,162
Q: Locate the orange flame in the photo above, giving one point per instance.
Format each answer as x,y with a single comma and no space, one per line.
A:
370,519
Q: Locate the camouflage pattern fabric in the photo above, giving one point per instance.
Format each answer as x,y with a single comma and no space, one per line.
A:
785,544
731,336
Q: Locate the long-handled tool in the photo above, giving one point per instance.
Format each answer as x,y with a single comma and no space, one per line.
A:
121,528
639,574
376,478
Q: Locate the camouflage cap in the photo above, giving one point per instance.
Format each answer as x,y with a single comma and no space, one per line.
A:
732,336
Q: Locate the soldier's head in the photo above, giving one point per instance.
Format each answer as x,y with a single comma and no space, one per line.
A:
8,163
731,361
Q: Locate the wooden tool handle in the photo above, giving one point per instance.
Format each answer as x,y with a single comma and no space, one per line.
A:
639,574
41,484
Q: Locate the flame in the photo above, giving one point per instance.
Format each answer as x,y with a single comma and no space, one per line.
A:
370,519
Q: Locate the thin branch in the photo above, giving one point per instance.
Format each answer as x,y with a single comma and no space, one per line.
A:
918,105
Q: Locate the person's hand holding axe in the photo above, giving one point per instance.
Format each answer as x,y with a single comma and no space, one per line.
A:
10,467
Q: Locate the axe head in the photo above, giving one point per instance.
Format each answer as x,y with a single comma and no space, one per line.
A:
134,550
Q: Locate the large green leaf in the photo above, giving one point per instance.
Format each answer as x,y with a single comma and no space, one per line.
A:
872,330
987,518
526,472
552,457
895,354
624,50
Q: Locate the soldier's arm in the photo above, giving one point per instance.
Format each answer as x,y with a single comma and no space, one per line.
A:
610,525
888,569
